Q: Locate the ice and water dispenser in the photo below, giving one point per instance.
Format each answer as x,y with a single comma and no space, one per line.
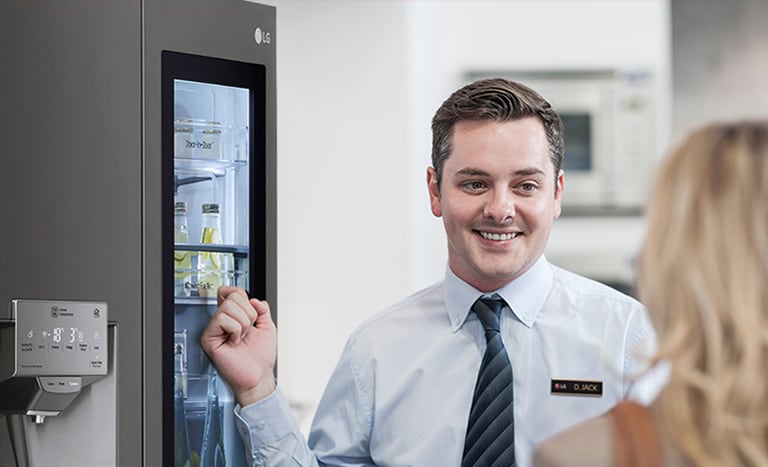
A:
49,352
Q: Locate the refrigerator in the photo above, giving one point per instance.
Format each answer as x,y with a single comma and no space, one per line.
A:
121,120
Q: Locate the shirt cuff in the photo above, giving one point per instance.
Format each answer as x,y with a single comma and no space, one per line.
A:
264,422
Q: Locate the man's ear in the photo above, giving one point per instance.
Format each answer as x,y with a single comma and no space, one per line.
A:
559,188
434,192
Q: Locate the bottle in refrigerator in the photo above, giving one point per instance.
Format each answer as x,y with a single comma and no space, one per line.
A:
180,360
182,262
182,453
212,266
212,450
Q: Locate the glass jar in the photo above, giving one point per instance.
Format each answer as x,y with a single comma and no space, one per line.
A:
184,140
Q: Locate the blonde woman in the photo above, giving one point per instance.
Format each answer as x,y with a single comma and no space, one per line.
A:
704,278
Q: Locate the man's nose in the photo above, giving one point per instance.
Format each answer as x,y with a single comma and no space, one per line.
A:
500,206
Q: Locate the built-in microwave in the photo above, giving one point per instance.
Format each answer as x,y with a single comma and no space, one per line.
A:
610,135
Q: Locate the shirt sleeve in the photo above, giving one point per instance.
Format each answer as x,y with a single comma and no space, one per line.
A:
271,435
340,430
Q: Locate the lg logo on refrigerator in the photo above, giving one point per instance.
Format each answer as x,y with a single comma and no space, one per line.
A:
262,37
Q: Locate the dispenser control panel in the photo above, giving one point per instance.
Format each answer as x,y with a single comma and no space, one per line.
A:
60,338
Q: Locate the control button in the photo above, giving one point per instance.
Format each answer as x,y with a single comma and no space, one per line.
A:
62,385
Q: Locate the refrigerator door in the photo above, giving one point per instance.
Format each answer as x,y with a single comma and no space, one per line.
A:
213,120
209,70
72,189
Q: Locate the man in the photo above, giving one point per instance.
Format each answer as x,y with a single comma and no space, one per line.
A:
406,391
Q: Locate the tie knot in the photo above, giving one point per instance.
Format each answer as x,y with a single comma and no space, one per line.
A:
488,311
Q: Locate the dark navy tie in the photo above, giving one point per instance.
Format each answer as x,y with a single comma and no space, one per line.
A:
490,437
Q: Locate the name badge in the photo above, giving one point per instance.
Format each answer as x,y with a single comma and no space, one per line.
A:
577,387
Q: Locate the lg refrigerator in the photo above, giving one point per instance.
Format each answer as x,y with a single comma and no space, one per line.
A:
119,118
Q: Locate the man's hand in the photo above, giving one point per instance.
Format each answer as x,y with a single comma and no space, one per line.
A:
241,341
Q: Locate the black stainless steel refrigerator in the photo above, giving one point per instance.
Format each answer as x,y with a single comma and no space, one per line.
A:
139,143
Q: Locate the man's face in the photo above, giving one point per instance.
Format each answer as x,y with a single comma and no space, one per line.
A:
497,198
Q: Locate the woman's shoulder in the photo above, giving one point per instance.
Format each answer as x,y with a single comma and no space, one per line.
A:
587,443
614,438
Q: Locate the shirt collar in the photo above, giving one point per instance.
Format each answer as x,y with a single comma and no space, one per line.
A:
524,295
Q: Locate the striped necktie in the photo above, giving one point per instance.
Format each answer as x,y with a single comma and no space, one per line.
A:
490,437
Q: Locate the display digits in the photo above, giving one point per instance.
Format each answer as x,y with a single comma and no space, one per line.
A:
72,335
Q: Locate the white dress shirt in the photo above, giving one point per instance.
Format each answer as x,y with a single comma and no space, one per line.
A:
401,392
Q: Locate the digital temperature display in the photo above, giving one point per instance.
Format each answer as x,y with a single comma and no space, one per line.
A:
70,335
60,338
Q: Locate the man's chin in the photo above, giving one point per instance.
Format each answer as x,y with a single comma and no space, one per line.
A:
494,278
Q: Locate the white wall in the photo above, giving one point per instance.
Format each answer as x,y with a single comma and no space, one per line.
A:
720,52
342,201
358,82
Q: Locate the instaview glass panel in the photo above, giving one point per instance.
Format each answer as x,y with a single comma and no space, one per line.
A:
214,159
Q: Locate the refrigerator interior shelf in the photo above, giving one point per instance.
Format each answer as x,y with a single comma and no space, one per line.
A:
196,287
200,124
195,300
236,250
192,170
201,166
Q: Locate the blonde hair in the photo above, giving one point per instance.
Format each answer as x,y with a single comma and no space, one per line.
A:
704,278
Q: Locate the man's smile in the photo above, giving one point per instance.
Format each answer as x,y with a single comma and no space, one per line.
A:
498,236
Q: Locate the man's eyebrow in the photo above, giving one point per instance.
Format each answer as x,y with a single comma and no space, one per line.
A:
473,172
530,171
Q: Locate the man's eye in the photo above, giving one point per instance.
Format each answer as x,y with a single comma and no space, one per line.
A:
475,185
528,187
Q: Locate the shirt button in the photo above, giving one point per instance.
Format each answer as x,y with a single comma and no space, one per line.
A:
260,425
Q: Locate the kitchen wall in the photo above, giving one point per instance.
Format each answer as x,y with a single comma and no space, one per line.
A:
720,61
358,82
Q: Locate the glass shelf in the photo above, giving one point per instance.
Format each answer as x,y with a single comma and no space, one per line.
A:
239,251
217,167
187,171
